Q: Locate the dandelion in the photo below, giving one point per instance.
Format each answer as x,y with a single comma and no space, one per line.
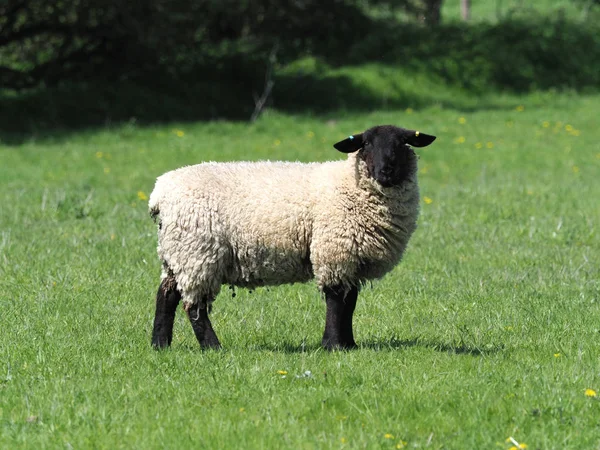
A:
597,155
388,436
106,170
310,135
427,200
557,355
576,169
343,440
516,445
590,393
462,120
242,410
574,132
520,108
489,145
460,140
142,196
282,372
277,142
478,145
508,328
112,237
569,127
99,155
401,444
409,110
546,124
424,170
179,133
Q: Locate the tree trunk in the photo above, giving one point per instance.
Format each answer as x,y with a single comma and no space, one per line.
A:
465,9
433,14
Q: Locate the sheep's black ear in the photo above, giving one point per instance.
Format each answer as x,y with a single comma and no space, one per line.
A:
418,139
350,144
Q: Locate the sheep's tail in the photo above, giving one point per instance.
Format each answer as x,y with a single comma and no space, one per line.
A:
153,206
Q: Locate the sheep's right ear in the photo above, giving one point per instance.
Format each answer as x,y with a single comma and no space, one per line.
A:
351,144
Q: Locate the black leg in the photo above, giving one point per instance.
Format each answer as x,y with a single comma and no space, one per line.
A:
198,315
349,305
338,322
167,299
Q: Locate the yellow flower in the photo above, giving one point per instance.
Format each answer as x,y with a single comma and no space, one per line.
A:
388,436
574,132
569,127
401,444
557,355
343,440
282,372
242,410
112,237
479,145
575,169
460,140
427,200
520,108
179,133
142,196
462,120
546,124
277,142
310,135
597,155
590,393
424,170
489,145
99,154
409,110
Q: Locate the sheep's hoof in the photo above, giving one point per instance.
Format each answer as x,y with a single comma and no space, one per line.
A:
158,344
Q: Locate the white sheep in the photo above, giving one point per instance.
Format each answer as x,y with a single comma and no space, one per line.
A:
267,223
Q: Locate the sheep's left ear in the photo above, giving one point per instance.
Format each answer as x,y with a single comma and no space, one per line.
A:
351,144
418,139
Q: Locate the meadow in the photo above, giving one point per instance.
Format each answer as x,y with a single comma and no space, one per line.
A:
488,329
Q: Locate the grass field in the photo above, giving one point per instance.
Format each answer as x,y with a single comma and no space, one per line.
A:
488,329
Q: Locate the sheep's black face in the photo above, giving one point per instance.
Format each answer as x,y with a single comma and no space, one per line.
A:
387,152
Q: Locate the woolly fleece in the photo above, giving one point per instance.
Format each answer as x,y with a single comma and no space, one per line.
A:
267,223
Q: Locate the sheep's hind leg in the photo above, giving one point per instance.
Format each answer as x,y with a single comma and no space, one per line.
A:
167,299
338,322
198,315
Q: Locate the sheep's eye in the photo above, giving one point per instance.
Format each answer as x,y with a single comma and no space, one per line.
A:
367,143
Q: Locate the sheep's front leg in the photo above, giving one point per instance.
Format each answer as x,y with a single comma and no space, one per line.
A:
338,321
167,299
198,315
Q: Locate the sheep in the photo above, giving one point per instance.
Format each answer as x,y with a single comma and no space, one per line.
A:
251,224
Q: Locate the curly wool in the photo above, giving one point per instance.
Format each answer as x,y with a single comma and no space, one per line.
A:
267,223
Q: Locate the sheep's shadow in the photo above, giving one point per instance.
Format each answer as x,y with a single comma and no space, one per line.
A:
389,344
442,347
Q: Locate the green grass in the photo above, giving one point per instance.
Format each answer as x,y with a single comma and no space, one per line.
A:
489,328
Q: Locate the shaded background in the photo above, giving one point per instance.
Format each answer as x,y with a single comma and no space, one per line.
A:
77,63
